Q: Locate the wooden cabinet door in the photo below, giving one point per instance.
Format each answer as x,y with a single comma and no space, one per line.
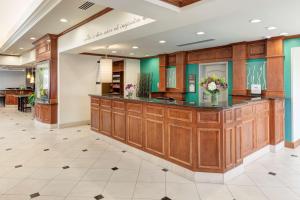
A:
105,121
95,118
248,138
155,136
180,145
134,130
262,130
119,125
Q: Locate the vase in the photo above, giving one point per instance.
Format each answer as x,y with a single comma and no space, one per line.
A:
215,99
129,95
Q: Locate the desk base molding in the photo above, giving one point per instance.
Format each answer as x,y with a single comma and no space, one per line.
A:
39,124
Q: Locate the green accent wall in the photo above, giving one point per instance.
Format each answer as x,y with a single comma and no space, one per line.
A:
288,45
230,77
151,65
258,63
192,69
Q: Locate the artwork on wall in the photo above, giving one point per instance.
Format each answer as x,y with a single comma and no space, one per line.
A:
171,77
192,83
256,74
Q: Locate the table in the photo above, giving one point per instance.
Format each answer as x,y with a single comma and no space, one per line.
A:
22,102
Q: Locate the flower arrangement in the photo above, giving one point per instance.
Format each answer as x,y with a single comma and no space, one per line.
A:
130,88
213,84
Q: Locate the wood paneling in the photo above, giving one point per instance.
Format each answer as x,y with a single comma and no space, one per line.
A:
46,113
239,58
275,67
180,144
198,139
163,63
95,114
277,121
181,3
216,54
209,149
256,49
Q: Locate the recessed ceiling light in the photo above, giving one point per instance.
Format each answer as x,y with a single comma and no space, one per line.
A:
131,54
283,34
200,33
32,38
114,51
135,47
63,20
255,21
270,28
21,48
162,41
267,37
147,55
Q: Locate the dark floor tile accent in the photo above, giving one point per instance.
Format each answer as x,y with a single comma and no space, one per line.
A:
124,151
97,138
65,138
98,197
23,130
34,195
46,149
166,198
18,166
8,149
114,168
65,167
2,138
51,130
165,170
272,173
78,131
295,156
84,150
33,138
17,124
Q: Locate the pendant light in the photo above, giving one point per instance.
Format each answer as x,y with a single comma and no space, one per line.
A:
32,77
105,70
28,76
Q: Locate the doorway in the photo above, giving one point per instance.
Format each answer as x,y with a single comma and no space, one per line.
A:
219,69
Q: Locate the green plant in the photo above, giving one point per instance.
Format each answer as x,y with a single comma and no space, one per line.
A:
31,99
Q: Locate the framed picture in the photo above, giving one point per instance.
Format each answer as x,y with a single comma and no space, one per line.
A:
192,83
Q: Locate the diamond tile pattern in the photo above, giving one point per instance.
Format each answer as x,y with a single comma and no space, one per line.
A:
31,171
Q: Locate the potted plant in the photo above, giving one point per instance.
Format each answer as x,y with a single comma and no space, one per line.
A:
130,88
213,85
31,101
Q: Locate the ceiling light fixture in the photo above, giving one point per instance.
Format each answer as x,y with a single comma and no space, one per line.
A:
162,42
21,48
267,37
270,28
135,47
284,34
32,38
114,51
200,33
132,54
63,20
255,21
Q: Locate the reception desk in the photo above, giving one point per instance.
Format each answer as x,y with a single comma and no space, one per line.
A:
196,136
11,95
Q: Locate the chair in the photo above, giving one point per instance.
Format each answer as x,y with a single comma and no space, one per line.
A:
2,100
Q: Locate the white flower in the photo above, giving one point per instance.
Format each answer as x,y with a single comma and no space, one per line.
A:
212,86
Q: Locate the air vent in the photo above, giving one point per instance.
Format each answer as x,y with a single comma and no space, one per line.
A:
198,42
86,5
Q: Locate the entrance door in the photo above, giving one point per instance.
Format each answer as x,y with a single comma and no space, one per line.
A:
217,69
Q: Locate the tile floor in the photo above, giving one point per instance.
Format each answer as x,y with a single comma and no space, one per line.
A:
73,164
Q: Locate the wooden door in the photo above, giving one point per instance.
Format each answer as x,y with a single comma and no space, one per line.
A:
95,118
105,121
119,125
134,130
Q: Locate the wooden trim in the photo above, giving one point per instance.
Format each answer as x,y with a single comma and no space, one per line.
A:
91,18
292,145
108,55
180,3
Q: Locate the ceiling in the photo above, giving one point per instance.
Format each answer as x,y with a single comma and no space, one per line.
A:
10,20
223,22
50,23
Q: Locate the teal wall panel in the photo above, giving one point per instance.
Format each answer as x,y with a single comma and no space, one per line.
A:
151,65
192,69
256,73
230,77
288,45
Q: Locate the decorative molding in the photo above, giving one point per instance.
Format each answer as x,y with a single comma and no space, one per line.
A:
43,9
91,18
111,56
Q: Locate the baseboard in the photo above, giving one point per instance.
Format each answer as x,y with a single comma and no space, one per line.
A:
74,124
44,125
11,106
292,145
277,147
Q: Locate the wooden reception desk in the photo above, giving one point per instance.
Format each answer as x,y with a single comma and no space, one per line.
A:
196,136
